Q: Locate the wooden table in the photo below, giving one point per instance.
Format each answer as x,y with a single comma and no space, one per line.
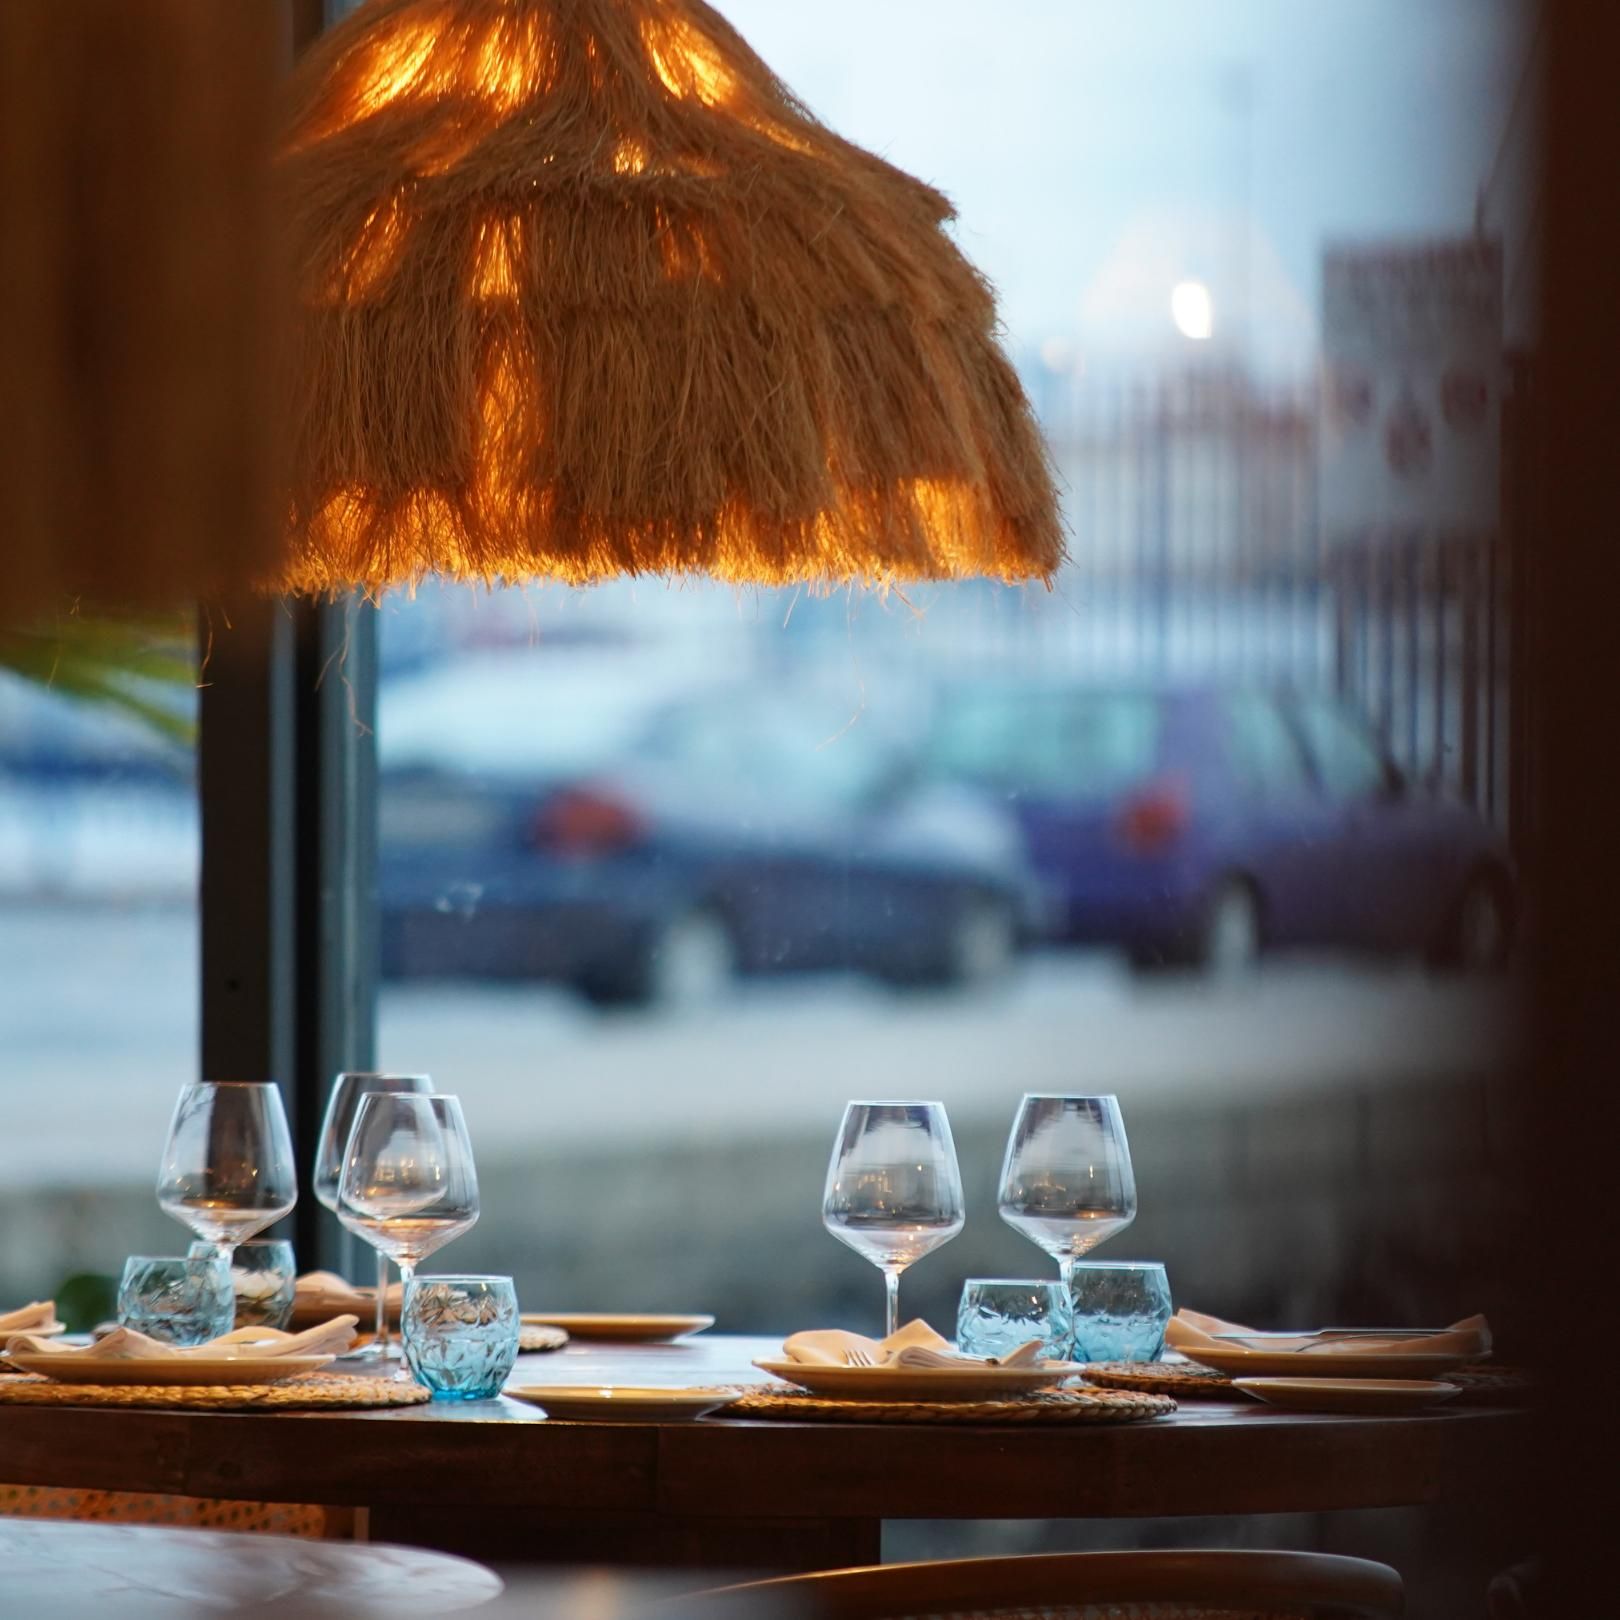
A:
497,1480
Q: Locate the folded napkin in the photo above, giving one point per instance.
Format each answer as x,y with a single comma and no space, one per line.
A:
319,1295
245,1344
35,1318
1192,1331
915,1346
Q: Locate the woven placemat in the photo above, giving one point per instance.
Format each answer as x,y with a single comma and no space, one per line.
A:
1480,1386
320,1391
1162,1378
534,1336
1057,1406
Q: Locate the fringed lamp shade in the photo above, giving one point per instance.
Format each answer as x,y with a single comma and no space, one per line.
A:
584,291
135,301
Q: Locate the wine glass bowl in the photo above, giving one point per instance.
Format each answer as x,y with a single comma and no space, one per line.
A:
894,1191
228,1169
1066,1182
409,1185
342,1104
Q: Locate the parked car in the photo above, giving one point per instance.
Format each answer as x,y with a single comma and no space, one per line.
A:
747,830
1203,825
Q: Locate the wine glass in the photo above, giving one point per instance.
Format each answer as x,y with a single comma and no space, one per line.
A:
408,1184
342,1105
227,1169
894,1192
1066,1182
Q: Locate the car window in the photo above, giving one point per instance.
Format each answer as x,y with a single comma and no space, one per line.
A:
793,749
1347,763
1265,751
1047,742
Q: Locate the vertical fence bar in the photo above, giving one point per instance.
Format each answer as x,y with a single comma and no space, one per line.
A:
1468,697
1441,661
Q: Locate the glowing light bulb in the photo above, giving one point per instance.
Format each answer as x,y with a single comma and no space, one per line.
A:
1192,309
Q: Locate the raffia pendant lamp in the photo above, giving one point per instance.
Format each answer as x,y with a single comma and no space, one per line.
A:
584,291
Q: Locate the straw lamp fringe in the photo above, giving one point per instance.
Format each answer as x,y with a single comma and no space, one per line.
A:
584,291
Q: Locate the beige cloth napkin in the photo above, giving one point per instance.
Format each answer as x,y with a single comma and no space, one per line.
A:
245,1344
318,1295
916,1347
1192,1331
38,1317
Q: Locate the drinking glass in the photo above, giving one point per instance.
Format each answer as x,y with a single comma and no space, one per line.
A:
997,1314
342,1104
1066,1182
894,1192
1121,1309
408,1185
228,1163
179,1300
264,1280
460,1335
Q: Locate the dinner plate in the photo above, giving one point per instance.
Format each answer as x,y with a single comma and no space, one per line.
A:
1348,1394
619,1329
1324,1363
72,1367
921,1384
621,1403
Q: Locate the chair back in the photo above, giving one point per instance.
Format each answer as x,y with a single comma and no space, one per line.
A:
1217,1585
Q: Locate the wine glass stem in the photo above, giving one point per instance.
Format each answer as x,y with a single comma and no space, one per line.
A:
407,1270
382,1306
891,1302
1066,1272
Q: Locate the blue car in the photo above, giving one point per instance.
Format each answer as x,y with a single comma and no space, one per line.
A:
742,832
1202,825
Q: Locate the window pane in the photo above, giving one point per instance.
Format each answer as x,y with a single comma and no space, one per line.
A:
671,872
98,951
1265,751
1346,761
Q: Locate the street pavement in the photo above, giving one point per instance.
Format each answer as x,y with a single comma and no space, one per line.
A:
98,1021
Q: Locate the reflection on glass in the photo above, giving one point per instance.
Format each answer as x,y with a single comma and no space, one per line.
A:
342,1104
1066,1181
228,1164
894,1192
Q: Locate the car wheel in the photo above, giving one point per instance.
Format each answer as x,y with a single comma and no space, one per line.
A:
691,962
1480,936
982,944
687,961
1229,940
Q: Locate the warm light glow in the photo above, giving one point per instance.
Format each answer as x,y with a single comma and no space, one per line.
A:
686,62
630,157
1192,309
495,275
397,62
372,259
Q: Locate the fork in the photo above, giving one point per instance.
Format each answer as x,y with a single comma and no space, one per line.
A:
856,1357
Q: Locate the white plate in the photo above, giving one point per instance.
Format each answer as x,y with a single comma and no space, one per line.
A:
620,1329
76,1367
621,1403
1348,1395
1325,1363
922,1384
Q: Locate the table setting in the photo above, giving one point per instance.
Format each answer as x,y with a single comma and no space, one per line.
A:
233,1323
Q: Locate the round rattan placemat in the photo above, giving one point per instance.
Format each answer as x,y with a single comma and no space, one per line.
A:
1162,1378
1479,1386
319,1391
1058,1406
533,1336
